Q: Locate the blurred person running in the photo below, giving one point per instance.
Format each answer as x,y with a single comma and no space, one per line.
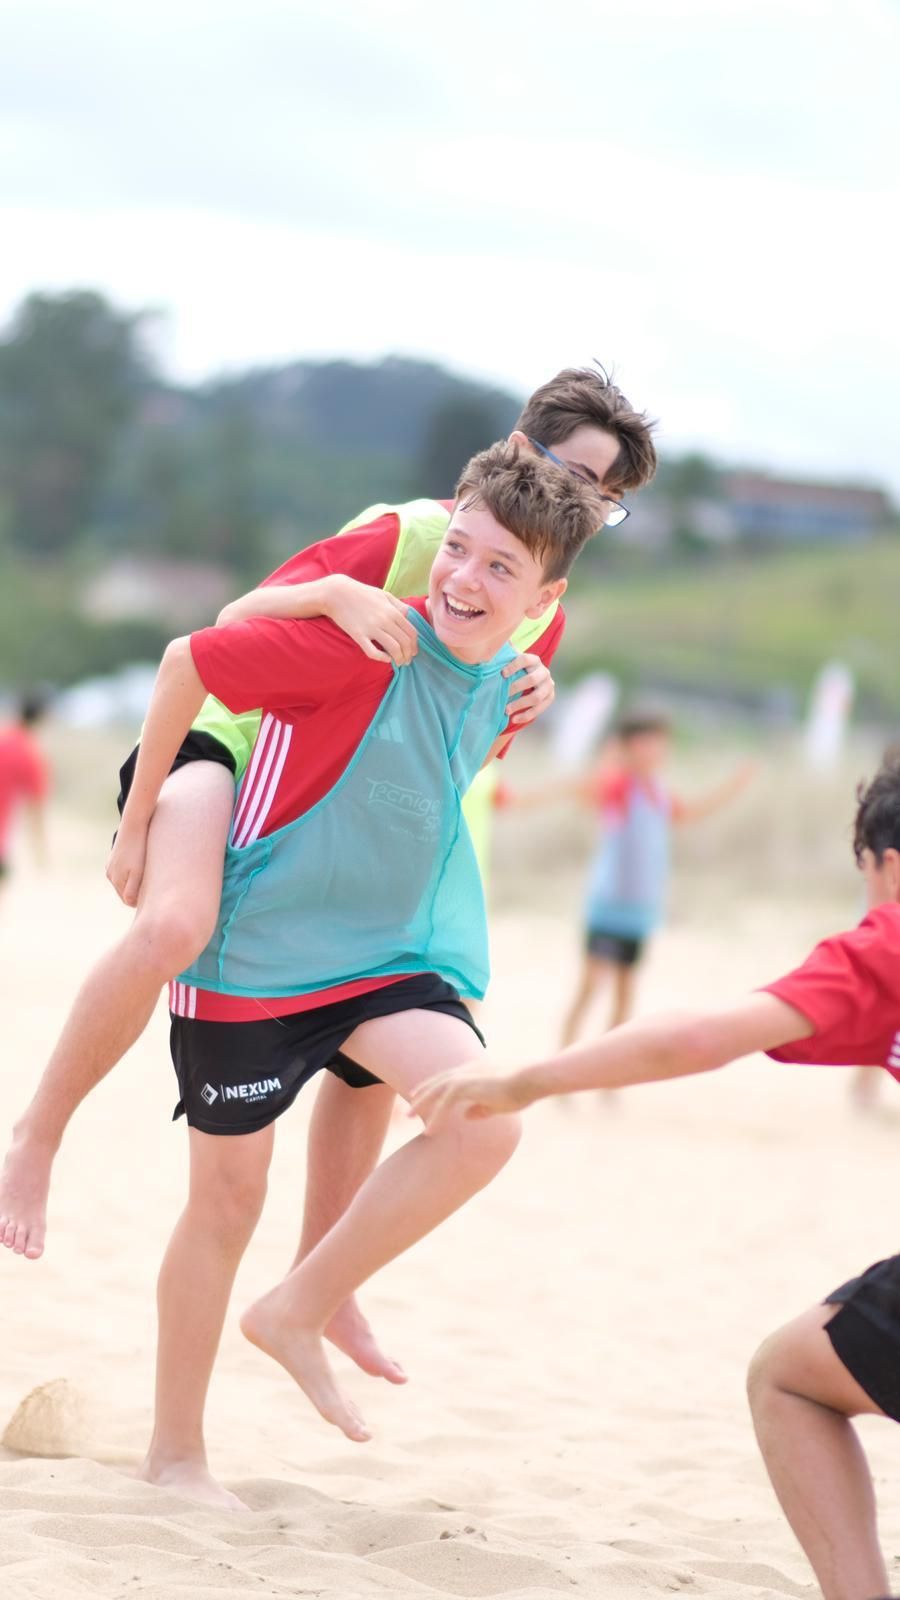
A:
24,779
841,1358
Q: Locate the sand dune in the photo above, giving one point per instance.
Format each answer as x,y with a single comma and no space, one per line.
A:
576,1340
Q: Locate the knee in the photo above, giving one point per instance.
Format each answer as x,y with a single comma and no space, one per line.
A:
489,1142
231,1203
172,935
762,1379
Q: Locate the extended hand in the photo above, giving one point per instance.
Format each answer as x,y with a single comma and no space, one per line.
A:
374,620
471,1092
533,693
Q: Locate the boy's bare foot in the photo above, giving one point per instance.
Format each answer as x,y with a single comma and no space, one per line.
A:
193,1480
349,1331
24,1186
299,1350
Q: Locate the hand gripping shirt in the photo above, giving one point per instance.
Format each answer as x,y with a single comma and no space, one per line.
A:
378,878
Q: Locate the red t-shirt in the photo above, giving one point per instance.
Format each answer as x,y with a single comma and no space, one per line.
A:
849,990
318,694
24,775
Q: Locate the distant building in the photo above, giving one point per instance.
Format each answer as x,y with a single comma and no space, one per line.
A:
185,594
764,507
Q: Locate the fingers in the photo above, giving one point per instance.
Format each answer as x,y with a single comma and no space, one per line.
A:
525,661
533,694
392,638
126,882
448,1094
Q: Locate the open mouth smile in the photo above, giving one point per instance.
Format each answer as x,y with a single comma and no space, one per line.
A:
460,611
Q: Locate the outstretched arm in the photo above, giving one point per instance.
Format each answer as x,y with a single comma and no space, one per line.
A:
721,795
178,694
648,1051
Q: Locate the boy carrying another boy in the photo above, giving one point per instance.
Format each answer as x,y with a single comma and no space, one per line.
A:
840,1358
596,435
351,917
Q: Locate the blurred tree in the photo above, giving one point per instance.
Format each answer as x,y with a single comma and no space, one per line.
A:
71,376
459,427
691,477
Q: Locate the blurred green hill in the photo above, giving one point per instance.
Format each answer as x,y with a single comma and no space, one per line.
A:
108,469
746,626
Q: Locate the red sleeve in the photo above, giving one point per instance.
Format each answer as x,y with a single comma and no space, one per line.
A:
365,554
611,789
280,664
847,990
546,647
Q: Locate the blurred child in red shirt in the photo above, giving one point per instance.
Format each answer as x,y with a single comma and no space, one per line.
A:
24,778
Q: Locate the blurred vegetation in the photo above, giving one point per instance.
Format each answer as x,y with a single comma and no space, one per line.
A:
745,623
101,458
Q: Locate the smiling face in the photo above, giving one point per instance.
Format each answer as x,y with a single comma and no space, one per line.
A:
483,583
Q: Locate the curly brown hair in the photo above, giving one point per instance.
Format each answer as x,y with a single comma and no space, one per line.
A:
551,511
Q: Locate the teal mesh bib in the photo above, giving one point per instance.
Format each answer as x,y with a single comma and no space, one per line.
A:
380,876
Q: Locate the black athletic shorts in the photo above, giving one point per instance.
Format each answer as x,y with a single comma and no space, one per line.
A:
236,1077
865,1333
614,947
194,747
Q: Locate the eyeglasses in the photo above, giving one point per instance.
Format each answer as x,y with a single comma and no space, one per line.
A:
614,513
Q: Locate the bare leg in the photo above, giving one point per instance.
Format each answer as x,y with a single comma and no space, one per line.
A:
594,973
346,1133
624,987
420,1185
802,1398
227,1190
174,920
864,1087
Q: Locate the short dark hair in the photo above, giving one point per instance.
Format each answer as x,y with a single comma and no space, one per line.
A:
587,396
551,511
876,826
32,706
632,724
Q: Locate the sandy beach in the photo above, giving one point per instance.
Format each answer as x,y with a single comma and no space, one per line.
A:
576,1339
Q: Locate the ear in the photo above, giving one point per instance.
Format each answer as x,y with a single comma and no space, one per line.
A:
546,596
521,439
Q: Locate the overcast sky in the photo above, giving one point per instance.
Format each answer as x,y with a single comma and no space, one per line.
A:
703,194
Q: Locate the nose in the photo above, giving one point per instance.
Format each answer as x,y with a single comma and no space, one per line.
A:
467,575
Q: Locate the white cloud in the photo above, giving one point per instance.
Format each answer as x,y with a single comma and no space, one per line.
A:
701,192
